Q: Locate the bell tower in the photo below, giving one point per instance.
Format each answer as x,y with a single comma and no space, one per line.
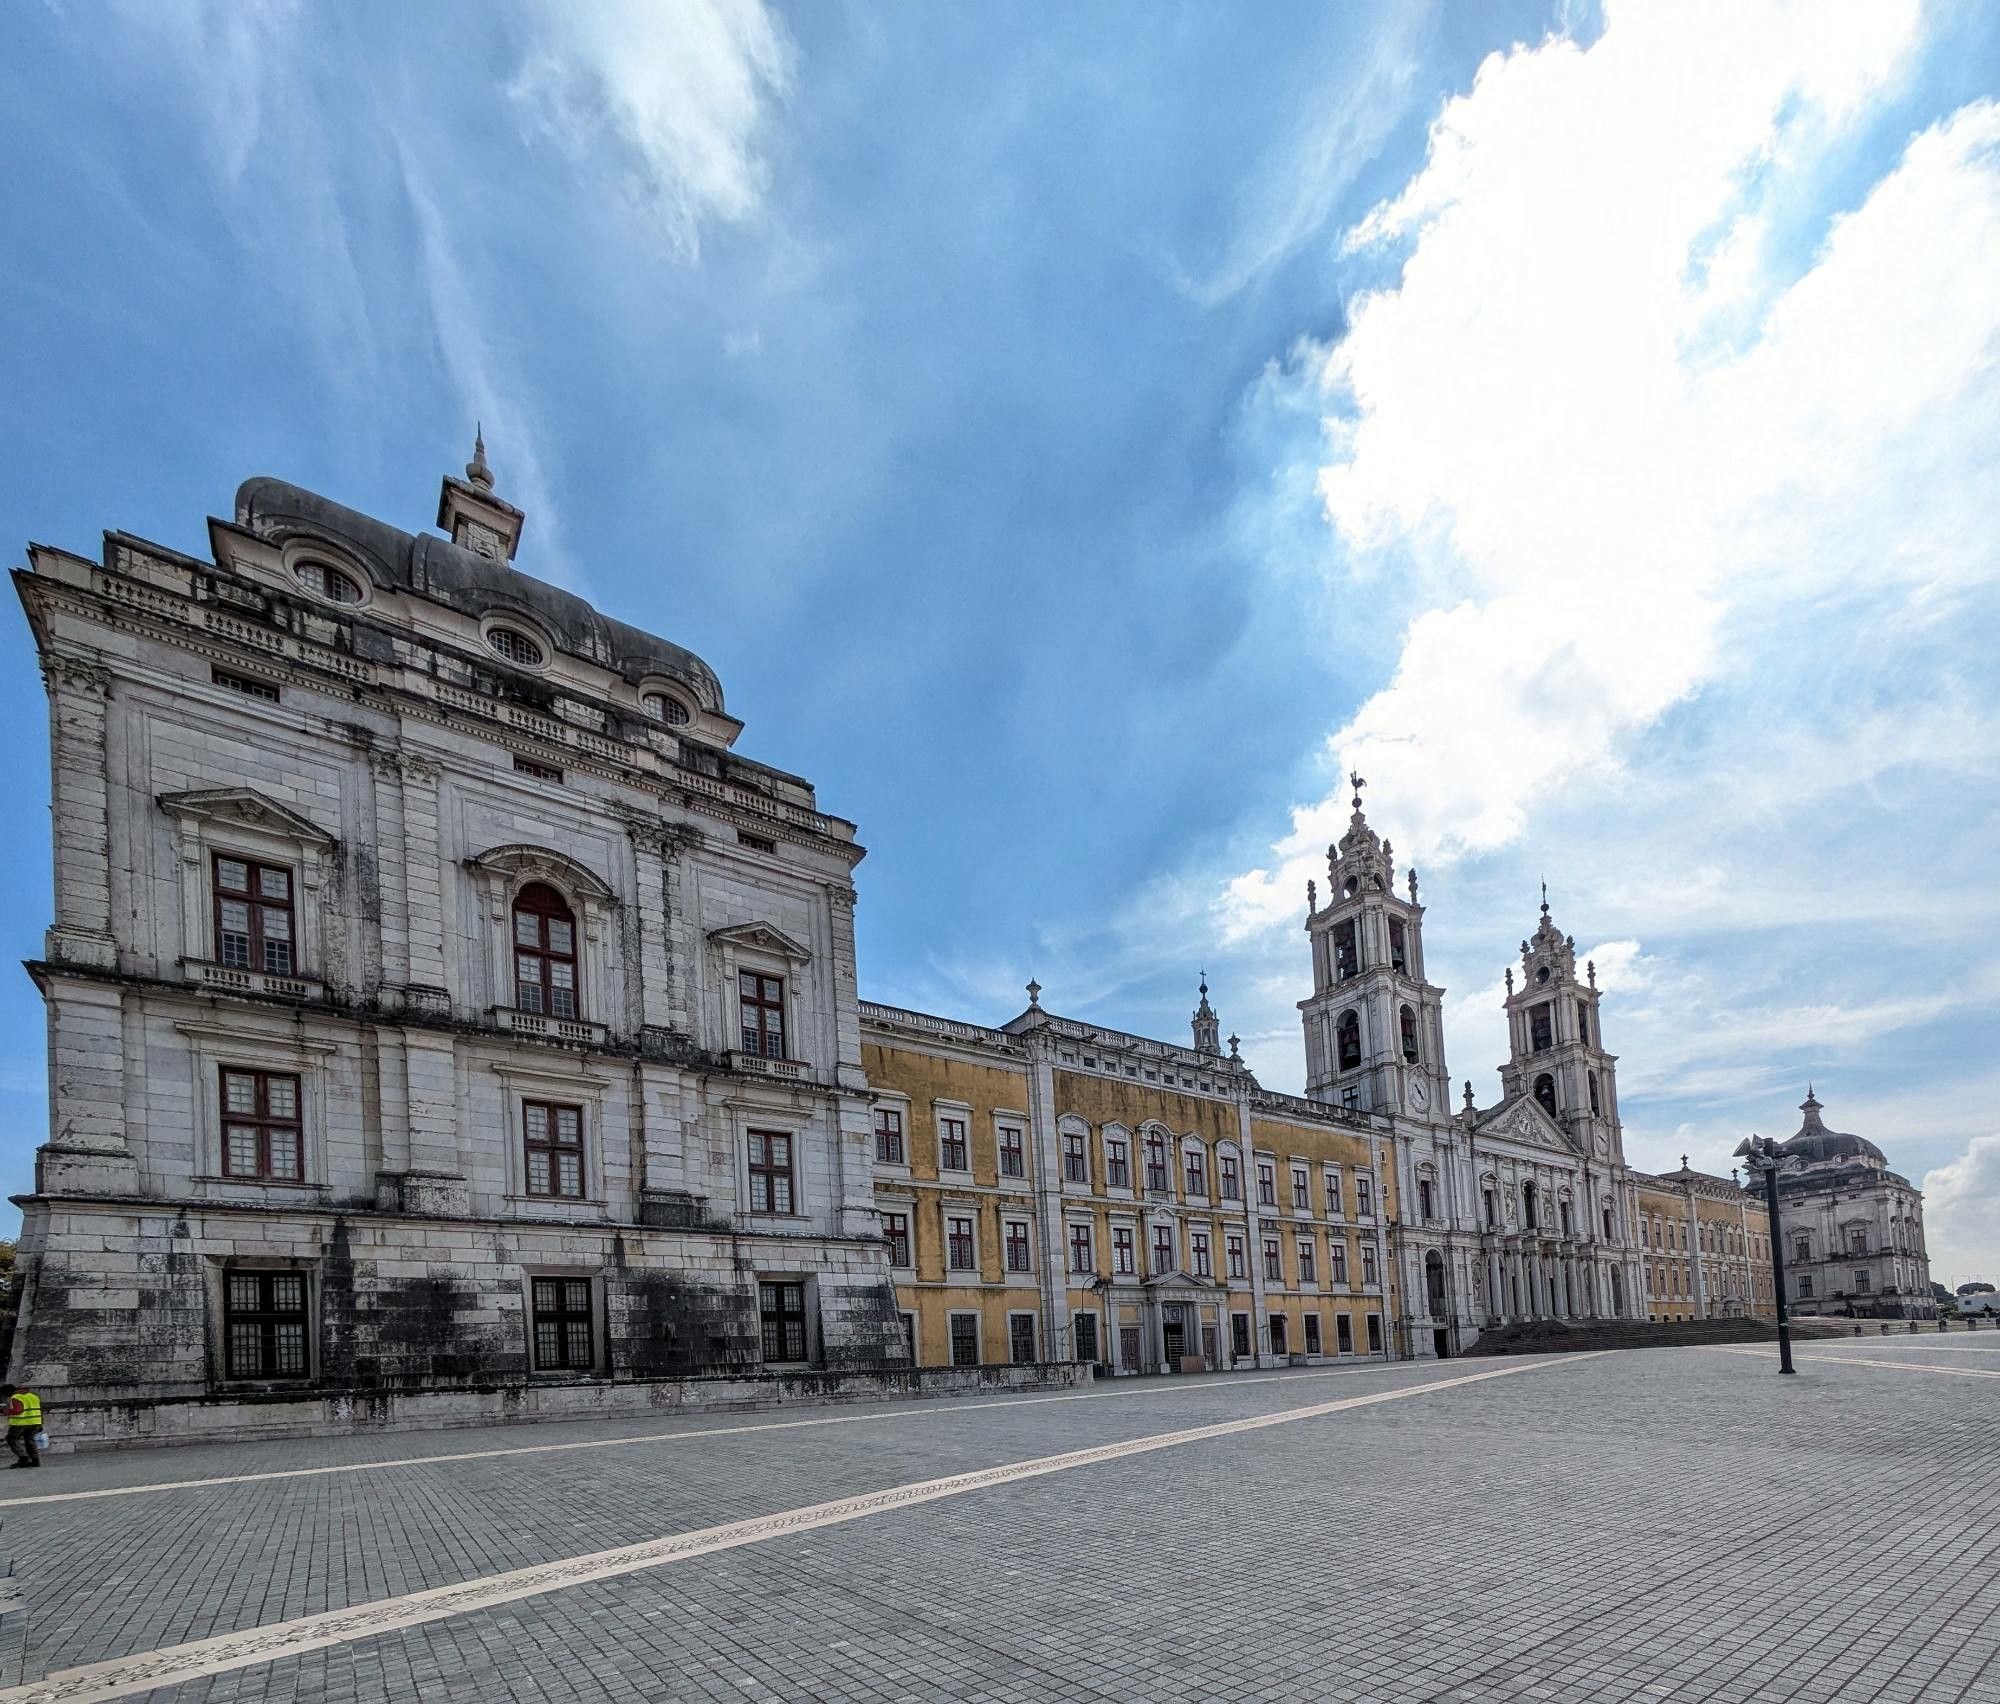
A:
1556,1049
1207,1026
1374,1026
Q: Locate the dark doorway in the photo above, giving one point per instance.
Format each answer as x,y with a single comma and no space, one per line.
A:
1174,1335
1442,1340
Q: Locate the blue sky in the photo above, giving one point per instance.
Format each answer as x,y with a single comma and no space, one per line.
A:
1076,436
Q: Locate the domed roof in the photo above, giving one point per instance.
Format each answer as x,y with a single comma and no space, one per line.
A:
442,571
1815,1142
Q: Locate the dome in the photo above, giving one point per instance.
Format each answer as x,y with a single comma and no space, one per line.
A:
1816,1142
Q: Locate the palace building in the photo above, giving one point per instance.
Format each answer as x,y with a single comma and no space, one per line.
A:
435,996
438,1001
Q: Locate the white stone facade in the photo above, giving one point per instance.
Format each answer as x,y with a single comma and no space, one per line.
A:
1523,1211
405,760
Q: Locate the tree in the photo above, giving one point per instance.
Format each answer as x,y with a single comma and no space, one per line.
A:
1976,1288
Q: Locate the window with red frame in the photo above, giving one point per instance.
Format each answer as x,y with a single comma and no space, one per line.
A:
552,1140
1196,1169
1198,1256
958,1244
1117,1163
1163,1248
1156,1162
253,916
952,1154
1080,1256
1016,1245
1267,1185
760,1001
889,1135
544,952
1076,1158
770,1172
896,1233
260,1125
1123,1255
1232,1179
1238,1268
1013,1155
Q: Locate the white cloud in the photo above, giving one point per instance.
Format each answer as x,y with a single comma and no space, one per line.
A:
676,95
1962,1215
1595,434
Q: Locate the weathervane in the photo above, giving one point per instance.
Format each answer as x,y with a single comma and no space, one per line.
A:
1358,782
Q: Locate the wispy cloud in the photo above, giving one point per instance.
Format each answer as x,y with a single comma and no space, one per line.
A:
671,99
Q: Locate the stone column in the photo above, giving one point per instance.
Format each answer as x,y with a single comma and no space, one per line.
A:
79,689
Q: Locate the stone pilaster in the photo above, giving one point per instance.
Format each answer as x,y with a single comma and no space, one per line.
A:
86,1153
79,690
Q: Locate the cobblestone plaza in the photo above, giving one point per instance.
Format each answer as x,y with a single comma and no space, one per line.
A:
1664,1524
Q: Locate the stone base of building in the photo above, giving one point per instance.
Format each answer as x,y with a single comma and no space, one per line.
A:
152,1422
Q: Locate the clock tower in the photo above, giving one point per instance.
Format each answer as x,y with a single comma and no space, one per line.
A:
1556,1049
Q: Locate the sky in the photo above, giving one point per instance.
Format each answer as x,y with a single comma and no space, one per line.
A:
1078,436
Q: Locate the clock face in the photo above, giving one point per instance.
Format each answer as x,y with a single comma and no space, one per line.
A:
1420,1094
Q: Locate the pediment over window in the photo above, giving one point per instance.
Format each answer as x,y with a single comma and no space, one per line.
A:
542,863
245,807
761,938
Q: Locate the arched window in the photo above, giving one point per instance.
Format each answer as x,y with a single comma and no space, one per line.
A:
663,707
329,583
1545,1092
1607,1221
515,646
1409,1027
1596,1105
544,952
1347,1039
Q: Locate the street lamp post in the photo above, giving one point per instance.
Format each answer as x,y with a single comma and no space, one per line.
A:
1760,1154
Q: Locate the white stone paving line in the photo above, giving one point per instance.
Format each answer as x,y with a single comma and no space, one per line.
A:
875,1413
121,1677
1858,1361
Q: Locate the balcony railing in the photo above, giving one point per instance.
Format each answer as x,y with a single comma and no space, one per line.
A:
757,1065
539,1026
236,979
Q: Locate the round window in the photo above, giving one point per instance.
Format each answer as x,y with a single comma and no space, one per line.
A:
515,647
665,709
329,583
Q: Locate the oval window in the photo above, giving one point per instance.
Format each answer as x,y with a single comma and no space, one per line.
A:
665,709
515,647
329,583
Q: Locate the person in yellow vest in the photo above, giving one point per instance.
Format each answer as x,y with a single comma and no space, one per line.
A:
24,1420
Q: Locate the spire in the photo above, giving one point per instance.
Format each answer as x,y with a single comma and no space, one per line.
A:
1810,1107
476,471
1545,896
1207,1026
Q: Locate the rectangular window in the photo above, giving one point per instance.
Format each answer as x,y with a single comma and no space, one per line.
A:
896,1233
1163,1248
771,1172
1156,1163
244,684
1015,1242
1346,962
1331,1184
540,771
1076,1158
1274,1267
1267,1184
958,1252
552,1148
1336,1260
1861,1282
1308,1261
253,916
260,1125
910,1337
1279,1344
1199,1262
889,1135
760,1001
782,1313
1081,1256
1123,1254
1364,1197
1013,1156
1232,1247
1232,1178
1805,1288
1490,1208
1301,1190
1583,1022
1117,1163
964,1340
1343,1334
1312,1334
951,1145
564,1341
1196,1169
1239,1336
1374,1334
1802,1248
264,1325
1398,956
1085,1325
1426,1206
1021,1338
1541,1034
1368,1263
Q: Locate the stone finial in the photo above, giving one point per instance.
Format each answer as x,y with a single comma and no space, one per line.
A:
1590,969
1312,897
1510,974
1684,1162
1468,1094
1034,992
476,471
1413,886
1234,1043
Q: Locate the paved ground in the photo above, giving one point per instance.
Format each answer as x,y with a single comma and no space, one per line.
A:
1664,1524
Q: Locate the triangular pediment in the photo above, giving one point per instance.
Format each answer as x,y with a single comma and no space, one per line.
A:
245,807
1520,1118
1180,1281
761,938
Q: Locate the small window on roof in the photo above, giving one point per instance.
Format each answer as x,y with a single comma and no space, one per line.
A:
515,646
663,707
333,584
